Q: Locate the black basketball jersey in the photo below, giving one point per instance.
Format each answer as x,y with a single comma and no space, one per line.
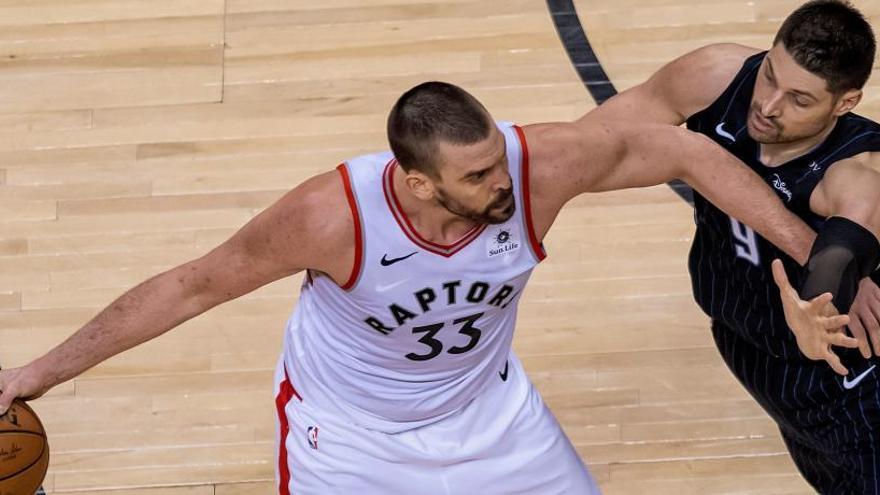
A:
730,263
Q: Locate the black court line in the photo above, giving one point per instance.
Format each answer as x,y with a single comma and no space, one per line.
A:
577,45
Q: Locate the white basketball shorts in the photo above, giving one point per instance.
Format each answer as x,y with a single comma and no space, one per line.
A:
504,442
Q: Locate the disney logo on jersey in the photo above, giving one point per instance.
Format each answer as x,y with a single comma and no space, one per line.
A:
780,186
503,240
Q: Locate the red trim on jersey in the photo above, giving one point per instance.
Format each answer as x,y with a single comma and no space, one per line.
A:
410,231
358,229
536,245
285,393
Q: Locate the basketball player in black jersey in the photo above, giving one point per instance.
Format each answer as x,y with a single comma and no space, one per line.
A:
787,113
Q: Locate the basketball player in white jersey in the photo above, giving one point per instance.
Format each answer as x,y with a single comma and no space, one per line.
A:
397,375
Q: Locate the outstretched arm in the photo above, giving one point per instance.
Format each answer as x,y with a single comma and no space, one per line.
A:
310,227
588,156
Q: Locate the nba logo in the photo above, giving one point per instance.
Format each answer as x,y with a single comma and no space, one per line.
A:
313,437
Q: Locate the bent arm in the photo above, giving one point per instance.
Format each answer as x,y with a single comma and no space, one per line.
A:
591,157
307,228
847,249
679,89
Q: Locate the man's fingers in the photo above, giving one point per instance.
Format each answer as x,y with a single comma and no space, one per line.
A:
874,335
835,322
6,400
858,331
835,363
840,339
780,277
874,289
870,320
821,300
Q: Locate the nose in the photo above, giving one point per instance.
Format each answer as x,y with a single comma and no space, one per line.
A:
504,183
772,106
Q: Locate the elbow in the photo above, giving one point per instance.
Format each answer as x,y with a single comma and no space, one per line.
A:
190,287
692,152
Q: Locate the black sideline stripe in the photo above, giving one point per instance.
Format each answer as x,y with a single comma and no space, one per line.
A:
583,58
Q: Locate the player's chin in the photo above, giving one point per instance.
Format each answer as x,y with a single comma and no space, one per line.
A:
500,214
764,137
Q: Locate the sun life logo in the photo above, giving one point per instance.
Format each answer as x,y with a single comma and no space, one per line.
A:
502,242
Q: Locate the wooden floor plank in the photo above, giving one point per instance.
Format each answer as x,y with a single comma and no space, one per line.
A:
138,134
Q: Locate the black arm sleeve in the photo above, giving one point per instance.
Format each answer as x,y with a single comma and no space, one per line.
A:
844,253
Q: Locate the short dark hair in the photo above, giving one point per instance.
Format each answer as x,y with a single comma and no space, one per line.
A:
831,39
430,112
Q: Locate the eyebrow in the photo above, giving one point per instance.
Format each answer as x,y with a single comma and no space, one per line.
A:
474,173
795,91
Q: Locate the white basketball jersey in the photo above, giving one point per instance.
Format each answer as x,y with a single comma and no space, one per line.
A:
420,328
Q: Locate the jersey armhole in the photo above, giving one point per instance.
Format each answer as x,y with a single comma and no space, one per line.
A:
536,246
357,267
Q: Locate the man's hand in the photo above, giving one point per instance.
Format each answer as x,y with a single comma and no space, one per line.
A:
816,324
864,317
19,382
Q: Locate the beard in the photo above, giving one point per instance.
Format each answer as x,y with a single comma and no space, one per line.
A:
498,211
774,135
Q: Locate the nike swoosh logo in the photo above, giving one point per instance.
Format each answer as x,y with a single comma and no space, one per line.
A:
386,262
719,129
847,384
383,288
503,374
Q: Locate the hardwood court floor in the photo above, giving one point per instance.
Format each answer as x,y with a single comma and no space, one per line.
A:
135,135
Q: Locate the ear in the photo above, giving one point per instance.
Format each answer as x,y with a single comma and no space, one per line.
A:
847,102
419,184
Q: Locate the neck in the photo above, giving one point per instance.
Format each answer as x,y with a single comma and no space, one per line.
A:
776,154
432,221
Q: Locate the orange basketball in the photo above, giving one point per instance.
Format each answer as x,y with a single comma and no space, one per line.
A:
24,451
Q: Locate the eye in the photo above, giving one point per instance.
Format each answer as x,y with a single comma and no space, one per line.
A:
478,176
801,102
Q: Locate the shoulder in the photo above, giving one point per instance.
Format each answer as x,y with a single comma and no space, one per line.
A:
718,63
849,172
849,188
698,78
720,58
312,225
680,88
320,204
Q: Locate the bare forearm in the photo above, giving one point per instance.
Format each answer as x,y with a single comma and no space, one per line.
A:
143,313
742,194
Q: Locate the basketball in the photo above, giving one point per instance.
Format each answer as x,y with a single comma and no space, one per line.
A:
24,451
